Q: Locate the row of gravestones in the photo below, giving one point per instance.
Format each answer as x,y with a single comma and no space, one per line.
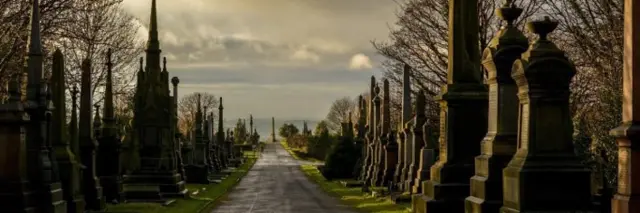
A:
512,153
49,165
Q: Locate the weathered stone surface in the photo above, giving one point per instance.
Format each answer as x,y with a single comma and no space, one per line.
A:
68,161
378,150
543,75
500,143
108,169
463,115
176,133
91,187
417,143
389,144
403,131
198,171
627,198
157,178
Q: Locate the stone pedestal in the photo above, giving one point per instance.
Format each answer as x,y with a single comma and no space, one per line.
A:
463,113
545,175
197,174
427,159
408,158
149,185
397,175
391,160
109,169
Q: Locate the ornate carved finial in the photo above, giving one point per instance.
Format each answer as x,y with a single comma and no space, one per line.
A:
509,12
542,27
175,81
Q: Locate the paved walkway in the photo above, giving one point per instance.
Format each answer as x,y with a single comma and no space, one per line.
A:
275,184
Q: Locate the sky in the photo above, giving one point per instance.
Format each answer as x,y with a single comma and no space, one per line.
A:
284,58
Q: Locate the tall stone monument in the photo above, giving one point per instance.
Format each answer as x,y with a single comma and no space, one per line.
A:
176,133
109,149
378,149
389,145
543,75
198,171
273,129
627,198
90,183
417,141
406,118
158,177
60,139
463,112
368,160
500,143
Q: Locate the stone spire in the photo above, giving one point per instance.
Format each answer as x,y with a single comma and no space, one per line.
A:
153,46
109,126
91,185
59,127
220,135
35,56
97,124
73,124
406,94
386,108
250,124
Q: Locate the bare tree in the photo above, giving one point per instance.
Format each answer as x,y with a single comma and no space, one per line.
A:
98,26
188,106
339,113
591,33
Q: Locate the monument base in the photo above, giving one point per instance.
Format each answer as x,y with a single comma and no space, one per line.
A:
409,178
401,197
427,159
486,185
197,174
17,197
148,185
448,195
76,205
626,203
52,198
112,188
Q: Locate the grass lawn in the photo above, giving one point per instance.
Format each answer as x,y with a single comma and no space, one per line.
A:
204,201
353,196
298,154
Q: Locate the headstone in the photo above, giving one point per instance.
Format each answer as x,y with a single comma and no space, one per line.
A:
180,159
378,149
90,183
273,129
427,159
389,144
417,143
463,115
500,143
110,143
65,154
368,160
627,198
157,178
543,76
198,171
405,130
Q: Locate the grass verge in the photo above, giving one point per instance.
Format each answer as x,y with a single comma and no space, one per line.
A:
298,154
353,196
204,201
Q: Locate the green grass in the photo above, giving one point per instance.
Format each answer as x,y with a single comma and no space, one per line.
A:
204,201
298,154
353,196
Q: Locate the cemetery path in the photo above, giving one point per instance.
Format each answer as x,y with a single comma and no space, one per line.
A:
275,184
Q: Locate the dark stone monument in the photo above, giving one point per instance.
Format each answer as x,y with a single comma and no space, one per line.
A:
388,143
220,137
176,133
109,148
427,159
500,143
417,143
530,184
463,116
368,146
157,178
273,129
378,147
403,131
60,138
90,184
627,197
198,171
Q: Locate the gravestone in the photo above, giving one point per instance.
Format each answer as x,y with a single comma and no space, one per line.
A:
405,130
273,129
627,197
157,178
389,144
417,143
180,159
220,139
368,146
463,115
60,139
198,170
90,183
378,157
543,75
109,148
500,143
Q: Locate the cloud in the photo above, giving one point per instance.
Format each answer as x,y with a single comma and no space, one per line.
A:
360,62
277,53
